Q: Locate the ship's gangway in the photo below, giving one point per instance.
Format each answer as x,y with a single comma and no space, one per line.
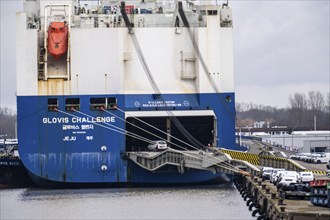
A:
212,161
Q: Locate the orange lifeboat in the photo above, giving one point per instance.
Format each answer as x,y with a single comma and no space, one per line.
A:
57,39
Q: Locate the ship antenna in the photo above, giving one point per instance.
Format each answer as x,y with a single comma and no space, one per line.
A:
225,4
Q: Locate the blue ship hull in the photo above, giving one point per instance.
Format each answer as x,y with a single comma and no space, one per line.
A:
64,148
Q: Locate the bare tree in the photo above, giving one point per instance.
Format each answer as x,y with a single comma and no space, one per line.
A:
298,106
298,101
299,113
316,106
327,105
316,101
7,122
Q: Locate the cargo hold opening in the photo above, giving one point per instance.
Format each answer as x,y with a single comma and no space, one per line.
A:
199,124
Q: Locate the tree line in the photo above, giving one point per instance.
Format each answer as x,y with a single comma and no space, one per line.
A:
302,111
7,123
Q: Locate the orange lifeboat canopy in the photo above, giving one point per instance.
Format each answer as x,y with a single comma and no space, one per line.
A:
57,39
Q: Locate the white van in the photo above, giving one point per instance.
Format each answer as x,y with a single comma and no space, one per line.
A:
306,177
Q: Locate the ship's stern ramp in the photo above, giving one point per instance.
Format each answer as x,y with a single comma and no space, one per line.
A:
200,160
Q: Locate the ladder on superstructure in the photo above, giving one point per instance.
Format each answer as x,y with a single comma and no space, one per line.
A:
41,63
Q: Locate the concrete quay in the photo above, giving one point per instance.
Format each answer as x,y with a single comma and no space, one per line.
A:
262,198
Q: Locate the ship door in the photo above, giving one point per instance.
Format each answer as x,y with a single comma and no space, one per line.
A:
201,128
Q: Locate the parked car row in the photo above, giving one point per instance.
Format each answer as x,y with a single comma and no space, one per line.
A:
311,157
279,176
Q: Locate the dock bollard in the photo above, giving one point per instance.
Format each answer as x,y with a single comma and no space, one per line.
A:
273,195
254,213
253,204
280,201
249,202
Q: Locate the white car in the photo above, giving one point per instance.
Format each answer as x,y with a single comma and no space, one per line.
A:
277,176
303,156
305,177
265,172
288,177
157,145
321,158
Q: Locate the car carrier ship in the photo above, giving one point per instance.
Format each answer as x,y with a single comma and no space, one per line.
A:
96,84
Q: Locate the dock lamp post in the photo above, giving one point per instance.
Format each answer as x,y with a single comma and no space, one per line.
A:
240,136
292,135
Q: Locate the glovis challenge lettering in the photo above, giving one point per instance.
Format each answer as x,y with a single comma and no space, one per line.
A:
66,120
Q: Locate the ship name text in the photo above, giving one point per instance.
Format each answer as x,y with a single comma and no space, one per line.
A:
66,120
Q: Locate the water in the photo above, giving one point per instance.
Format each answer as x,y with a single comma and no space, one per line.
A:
211,202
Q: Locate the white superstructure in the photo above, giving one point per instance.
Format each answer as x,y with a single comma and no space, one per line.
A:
103,59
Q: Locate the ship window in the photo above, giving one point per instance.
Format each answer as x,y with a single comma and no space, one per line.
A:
212,12
52,104
53,29
202,12
72,104
112,103
228,98
97,104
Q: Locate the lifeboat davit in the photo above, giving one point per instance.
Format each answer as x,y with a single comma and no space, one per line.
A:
57,39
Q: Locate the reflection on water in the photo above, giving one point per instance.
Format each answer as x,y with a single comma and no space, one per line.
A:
207,202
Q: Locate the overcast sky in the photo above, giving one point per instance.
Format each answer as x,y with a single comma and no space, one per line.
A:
281,47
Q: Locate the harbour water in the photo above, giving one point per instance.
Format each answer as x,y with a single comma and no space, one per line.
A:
202,202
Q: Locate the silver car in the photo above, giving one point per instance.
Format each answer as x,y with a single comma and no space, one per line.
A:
157,145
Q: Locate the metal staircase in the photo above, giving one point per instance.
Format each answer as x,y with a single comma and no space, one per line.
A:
214,162
41,63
